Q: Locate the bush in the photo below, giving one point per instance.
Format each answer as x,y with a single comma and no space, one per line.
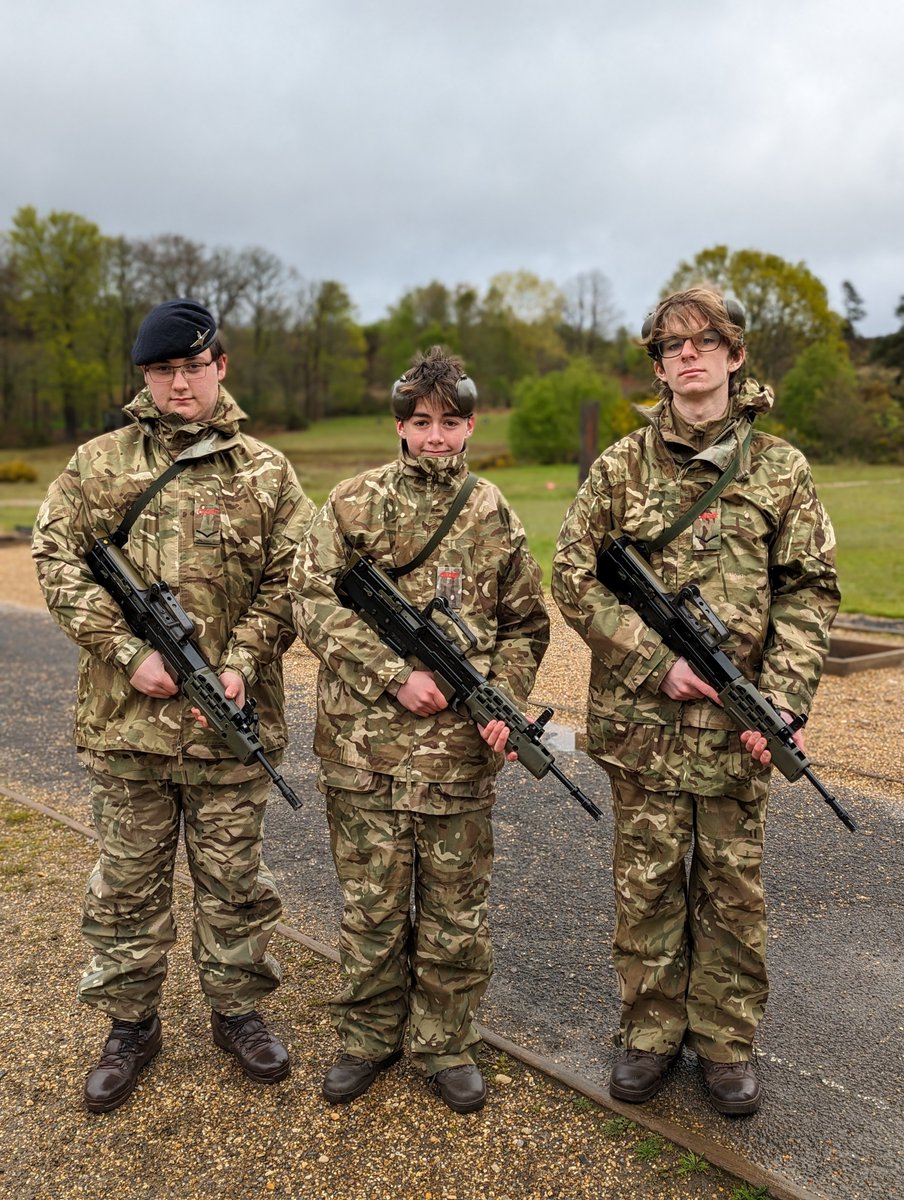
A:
546,424
16,471
832,409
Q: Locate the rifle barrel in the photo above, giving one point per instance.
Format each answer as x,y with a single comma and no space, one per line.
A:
842,815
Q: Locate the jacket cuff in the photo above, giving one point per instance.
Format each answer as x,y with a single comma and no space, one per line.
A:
650,670
131,653
242,662
788,701
398,680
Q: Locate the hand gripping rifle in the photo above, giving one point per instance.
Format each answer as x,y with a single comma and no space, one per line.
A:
154,614
690,628
370,592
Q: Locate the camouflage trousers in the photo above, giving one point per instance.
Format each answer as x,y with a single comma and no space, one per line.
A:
429,970
690,947
127,915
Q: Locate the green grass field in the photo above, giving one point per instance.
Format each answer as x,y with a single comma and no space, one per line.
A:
866,503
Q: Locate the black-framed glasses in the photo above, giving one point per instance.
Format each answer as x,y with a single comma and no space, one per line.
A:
165,372
704,341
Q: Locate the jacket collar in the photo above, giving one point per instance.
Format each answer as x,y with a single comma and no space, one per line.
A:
447,469
748,402
189,439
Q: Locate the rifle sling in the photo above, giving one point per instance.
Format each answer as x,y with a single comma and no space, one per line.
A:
455,508
705,500
120,536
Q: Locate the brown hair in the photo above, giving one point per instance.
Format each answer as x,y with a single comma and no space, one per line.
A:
438,375
696,306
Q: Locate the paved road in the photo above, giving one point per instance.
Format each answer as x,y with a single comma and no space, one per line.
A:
831,1047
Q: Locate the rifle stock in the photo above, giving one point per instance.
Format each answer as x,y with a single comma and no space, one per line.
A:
370,592
691,629
154,614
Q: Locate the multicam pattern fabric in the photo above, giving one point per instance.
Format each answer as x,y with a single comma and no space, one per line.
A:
389,514
408,798
127,914
432,974
222,533
691,964
763,558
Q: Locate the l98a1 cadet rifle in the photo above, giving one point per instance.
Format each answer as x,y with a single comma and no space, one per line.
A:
691,629
154,614
410,632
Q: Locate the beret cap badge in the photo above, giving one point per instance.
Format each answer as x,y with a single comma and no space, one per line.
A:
174,329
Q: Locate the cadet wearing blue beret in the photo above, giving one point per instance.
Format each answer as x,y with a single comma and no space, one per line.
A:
174,329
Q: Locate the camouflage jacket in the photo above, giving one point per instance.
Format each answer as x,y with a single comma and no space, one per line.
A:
222,533
762,555
389,514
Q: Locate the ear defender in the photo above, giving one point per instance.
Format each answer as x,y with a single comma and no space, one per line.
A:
735,310
465,388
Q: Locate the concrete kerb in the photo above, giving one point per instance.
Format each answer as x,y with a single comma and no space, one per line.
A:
720,1156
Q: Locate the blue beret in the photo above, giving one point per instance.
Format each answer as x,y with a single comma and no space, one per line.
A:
175,329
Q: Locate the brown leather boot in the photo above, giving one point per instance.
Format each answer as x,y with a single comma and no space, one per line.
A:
733,1087
350,1076
637,1075
130,1046
462,1088
261,1054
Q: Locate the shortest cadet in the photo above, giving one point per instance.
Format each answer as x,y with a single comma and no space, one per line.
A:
734,511
410,782
223,533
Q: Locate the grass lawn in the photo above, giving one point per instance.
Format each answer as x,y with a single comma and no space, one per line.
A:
866,503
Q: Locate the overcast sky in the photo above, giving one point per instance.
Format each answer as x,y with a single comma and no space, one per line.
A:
385,144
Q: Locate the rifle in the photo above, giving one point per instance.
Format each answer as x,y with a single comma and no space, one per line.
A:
690,628
370,592
153,613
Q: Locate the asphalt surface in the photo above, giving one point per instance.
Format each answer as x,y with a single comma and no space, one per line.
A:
831,1048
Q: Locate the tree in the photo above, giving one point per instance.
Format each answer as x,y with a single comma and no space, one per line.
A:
854,310
832,409
173,266
125,302
589,315
519,331
787,307
263,335
331,351
423,317
816,392
59,267
545,426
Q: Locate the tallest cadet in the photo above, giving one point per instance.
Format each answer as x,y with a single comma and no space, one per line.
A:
690,956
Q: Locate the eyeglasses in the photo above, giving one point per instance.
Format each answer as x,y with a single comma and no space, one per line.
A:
165,373
704,341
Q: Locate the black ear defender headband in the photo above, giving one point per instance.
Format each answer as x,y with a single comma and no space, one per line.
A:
733,307
466,389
